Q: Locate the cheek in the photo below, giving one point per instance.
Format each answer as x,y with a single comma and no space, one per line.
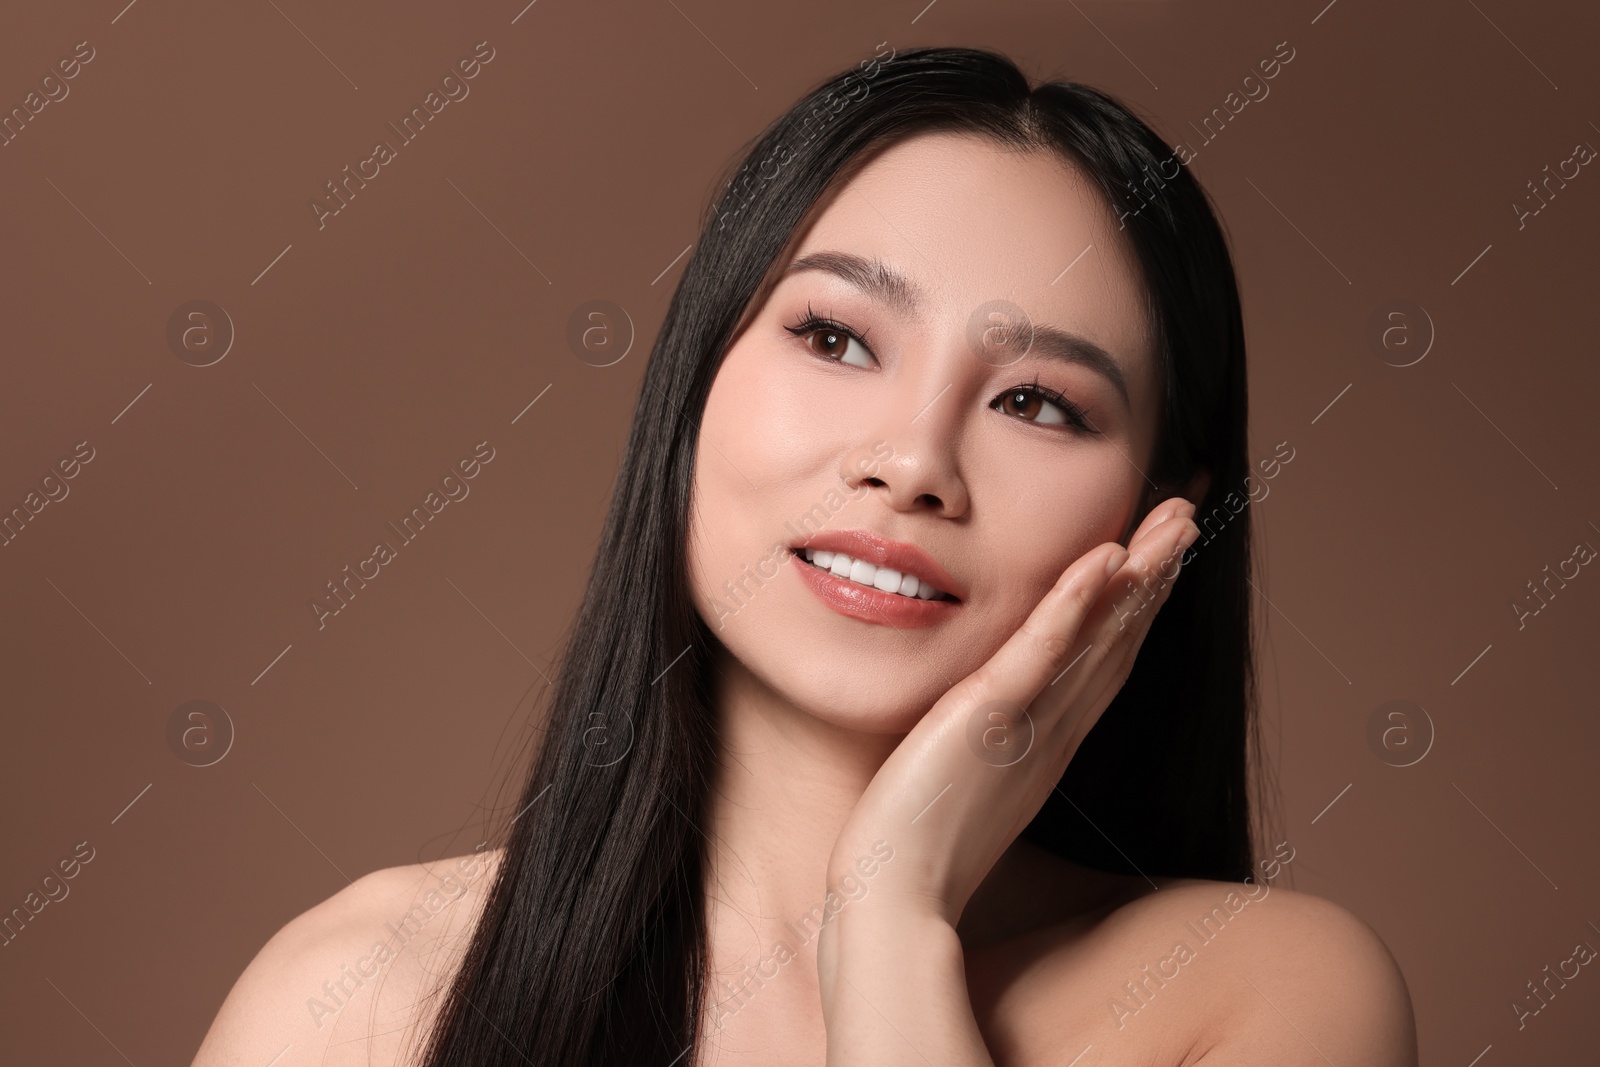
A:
755,451
1084,505
1052,515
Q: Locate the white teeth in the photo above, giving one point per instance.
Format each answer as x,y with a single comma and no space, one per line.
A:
864,573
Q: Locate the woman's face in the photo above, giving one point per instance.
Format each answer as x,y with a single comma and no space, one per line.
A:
922,429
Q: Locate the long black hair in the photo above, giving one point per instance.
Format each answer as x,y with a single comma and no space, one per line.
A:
591,945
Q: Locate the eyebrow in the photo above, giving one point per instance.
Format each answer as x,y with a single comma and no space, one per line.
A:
879,280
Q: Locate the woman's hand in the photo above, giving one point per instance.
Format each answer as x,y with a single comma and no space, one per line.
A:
980,764
962,785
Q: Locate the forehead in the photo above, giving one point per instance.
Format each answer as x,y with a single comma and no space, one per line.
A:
969,221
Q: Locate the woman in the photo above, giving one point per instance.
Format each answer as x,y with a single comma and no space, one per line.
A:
850,760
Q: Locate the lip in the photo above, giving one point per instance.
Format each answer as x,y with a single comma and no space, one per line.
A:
874,605
882,552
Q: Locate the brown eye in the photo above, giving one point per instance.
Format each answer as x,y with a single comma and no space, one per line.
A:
1025,403
832,342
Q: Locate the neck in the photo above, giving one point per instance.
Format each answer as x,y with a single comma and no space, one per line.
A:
785,782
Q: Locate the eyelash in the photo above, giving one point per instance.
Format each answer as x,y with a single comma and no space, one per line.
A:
1077,417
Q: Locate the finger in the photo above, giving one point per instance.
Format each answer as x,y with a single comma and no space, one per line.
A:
1153,557
1115,628
1169,508
1152,531
1127,635
1150,564
1038,650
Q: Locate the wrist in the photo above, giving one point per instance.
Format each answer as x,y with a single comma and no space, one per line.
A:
889,879
859,861
878,940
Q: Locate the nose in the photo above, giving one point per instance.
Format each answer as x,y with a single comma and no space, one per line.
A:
921,470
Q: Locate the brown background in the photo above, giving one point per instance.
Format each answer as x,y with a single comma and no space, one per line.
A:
377,351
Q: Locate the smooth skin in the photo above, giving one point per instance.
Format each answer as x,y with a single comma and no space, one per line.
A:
840,736
1064,665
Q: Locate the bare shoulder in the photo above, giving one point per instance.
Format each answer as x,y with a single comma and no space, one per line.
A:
1281,976
1196,972
350,979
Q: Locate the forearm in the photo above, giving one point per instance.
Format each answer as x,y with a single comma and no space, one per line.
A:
894,990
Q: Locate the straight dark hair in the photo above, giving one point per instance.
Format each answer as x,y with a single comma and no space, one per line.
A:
592,944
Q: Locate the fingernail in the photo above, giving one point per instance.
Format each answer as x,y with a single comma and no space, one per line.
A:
1188,537
1116,560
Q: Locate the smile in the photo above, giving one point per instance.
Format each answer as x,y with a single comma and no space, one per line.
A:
860,597
884,579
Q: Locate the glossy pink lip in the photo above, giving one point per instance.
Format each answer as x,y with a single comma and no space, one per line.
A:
872,605
882,552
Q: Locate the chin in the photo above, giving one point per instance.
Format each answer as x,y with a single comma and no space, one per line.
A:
852,692
785,649
891,716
